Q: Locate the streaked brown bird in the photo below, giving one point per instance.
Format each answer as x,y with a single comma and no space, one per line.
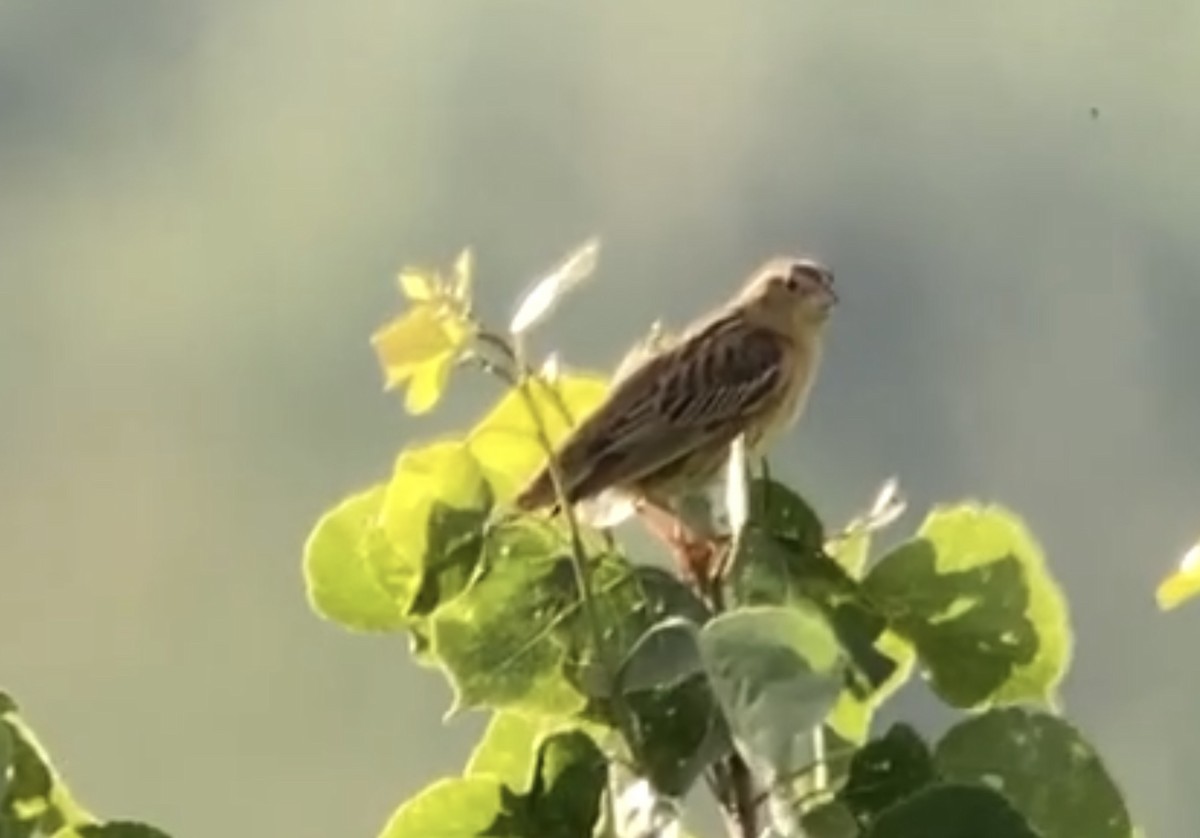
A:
667,425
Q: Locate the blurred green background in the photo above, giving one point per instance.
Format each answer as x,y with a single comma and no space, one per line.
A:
202,209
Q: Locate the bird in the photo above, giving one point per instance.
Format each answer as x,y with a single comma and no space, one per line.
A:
666,425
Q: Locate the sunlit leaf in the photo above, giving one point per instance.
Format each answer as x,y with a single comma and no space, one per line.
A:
1183,584
418,286
536,305
421,345
564,798
948,810
505,442
460,285
450,808
776,672
339,577
507,751
432,516
1043,766
974,596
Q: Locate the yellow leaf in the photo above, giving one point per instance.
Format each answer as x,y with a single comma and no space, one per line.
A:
506,442
1183,584
442,473
428,383
412,339
418,286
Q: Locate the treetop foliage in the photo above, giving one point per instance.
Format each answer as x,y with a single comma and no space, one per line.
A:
616,686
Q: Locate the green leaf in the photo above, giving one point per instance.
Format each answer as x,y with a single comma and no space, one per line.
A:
886,771
953,811
338,561
851,552
1043,766
830,820
851,717
508,749
7,704
781,559
433,514
506,443
776,672
564,799
665,655
786,515
450,808
629,600
681,731
500,640
973,594
121,829
7,753
32,781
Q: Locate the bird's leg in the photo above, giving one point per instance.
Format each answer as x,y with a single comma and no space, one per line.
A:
695,552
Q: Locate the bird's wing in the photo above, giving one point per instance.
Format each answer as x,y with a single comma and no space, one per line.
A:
699,393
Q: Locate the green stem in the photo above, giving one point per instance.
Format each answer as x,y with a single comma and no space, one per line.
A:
521,378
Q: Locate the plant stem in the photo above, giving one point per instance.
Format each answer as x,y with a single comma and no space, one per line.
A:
521,379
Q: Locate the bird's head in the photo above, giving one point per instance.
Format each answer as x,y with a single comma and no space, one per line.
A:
791,293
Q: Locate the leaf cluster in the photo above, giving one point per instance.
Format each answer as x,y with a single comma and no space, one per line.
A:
34,800
613,696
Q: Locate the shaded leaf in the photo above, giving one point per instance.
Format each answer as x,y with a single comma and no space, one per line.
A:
506,443
501,640
681,731
541,299
31,781
952,811
433,514
776,673
564,798
886,771
973,595
1183,584
339,577
667,653
1043,766
830,820
781,561
852,715
450,808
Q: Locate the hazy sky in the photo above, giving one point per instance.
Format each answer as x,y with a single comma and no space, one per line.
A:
202,209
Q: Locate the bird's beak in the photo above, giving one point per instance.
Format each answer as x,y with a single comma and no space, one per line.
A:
831,297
